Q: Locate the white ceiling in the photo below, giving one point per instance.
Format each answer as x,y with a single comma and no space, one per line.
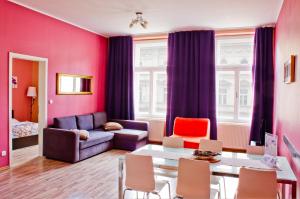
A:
112,17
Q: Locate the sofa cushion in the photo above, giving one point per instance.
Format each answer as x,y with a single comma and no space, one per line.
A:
99,119
83,134
85,122
65,122
110,126
130,134
95,138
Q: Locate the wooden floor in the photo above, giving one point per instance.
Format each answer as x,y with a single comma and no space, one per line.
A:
41,178
23,155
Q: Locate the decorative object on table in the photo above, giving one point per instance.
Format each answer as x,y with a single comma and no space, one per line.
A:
270,156
206,155
14,82
289,70
31,92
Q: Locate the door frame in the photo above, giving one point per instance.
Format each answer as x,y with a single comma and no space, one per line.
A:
42,97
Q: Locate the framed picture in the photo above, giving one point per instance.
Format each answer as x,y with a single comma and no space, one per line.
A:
289,70
14,82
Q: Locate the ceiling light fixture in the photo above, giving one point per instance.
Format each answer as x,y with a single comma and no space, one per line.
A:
139,20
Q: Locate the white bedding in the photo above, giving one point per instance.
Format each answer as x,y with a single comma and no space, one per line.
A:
23,129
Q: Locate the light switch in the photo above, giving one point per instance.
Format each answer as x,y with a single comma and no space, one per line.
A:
3,153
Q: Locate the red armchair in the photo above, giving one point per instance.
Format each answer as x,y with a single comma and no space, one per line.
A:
191,130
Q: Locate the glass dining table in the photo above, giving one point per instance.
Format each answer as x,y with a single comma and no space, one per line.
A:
228,166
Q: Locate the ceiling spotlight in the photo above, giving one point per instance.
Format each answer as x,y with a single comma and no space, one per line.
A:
138,20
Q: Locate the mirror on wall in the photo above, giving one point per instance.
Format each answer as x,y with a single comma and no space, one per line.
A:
67,84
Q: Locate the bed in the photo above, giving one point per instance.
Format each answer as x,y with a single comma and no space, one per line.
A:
24,134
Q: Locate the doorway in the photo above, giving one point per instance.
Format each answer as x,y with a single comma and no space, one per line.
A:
27,106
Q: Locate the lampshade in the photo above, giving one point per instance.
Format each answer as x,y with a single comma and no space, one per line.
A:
31,92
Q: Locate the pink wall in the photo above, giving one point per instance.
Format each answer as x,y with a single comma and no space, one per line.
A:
21,104
69,50
287,109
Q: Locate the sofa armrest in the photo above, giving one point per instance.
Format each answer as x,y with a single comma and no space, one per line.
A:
61,144
132,124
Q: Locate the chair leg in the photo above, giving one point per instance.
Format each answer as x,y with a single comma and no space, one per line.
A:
157,195
124,193
224,187
169,187
137,195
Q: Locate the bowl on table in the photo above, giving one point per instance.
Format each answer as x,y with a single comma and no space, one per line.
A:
205,155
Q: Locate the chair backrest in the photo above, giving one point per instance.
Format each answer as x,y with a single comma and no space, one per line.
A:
257,184
194,127
211,145
139,173
193,179
173,142
255,150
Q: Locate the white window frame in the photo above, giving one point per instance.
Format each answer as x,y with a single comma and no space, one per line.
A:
236,68
151,70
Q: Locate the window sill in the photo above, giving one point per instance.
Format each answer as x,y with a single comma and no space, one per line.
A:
235,123
151,118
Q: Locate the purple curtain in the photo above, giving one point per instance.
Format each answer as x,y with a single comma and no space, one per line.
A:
191,77
119,79
263,84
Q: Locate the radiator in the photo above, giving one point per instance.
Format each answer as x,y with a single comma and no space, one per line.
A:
234,135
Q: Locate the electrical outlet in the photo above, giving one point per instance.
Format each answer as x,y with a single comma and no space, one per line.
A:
3,153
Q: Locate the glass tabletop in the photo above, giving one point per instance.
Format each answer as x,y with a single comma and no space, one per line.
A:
228,166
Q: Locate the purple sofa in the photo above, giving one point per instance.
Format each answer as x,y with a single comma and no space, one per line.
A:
61,143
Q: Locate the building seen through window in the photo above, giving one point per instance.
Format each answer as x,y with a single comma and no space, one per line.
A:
234,57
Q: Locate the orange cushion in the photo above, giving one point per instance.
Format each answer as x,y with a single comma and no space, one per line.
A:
194,127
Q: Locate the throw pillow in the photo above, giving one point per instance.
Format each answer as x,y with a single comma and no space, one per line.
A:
109,126
84,134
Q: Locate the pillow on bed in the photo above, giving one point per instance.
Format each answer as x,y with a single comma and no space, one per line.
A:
110,126
84,134
14,121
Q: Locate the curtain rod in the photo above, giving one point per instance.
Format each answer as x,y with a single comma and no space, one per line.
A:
233,32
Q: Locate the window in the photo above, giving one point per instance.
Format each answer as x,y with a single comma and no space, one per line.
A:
234,57
150,79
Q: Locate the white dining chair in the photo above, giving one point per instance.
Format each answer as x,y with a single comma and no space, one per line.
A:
211,145
170,142
140,176
173,142
193,180
255,150
257,184
217,147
